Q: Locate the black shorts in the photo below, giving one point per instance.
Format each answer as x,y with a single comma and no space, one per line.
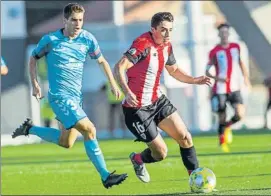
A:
219,101
142,122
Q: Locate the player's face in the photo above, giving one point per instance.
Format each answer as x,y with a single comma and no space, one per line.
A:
224,34
74,24
162,33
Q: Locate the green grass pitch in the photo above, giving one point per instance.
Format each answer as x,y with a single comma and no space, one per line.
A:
46,169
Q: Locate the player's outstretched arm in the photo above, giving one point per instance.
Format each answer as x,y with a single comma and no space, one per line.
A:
106,68
177,73
119,71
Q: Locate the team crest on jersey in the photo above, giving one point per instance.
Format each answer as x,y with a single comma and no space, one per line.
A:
132,51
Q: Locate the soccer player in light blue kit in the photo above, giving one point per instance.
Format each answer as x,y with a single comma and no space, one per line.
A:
65,51
4,68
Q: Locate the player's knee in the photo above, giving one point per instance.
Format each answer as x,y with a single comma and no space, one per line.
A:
65,144
68,145
236,118
160,154
88,130
186,140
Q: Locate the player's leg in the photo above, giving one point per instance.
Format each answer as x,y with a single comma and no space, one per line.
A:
236,101
214,107
140,123
67,137
222,99
155,152
46,133
72,116
63,137
174,126
88,130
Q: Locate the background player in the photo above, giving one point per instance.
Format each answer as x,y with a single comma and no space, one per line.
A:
144,106
4,68
228,73
66,50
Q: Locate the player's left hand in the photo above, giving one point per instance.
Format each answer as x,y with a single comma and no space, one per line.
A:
202,80
116,91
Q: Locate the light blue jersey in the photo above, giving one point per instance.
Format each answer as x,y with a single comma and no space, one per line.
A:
3,63
65,58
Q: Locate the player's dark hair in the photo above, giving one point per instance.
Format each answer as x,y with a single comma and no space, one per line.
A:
72,8
160,17
223,25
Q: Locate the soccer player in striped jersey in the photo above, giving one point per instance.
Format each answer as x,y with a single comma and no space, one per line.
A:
229,71
145,107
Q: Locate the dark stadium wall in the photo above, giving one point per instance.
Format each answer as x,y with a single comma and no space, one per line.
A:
15,104
13,51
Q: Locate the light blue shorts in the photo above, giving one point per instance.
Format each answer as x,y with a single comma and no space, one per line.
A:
68,110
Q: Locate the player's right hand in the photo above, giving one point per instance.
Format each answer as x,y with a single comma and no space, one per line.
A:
130,98
36,92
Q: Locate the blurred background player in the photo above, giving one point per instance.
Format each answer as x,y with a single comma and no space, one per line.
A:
229,69
267,83
115,111
4,67
145,108
66,50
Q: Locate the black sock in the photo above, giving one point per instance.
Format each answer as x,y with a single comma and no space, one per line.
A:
189,158
221,129
146,156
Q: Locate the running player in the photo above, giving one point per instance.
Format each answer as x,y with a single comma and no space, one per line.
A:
145,107
66,50
229,69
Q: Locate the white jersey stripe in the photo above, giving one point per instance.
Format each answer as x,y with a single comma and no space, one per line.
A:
223,69
150,77
236,76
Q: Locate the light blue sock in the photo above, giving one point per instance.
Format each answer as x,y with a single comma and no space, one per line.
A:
45,133
96,156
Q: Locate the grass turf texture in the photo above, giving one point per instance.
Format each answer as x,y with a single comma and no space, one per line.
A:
46,169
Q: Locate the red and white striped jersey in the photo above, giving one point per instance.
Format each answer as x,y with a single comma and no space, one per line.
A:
227,65
149,60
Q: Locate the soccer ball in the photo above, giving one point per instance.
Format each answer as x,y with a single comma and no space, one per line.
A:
202,180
